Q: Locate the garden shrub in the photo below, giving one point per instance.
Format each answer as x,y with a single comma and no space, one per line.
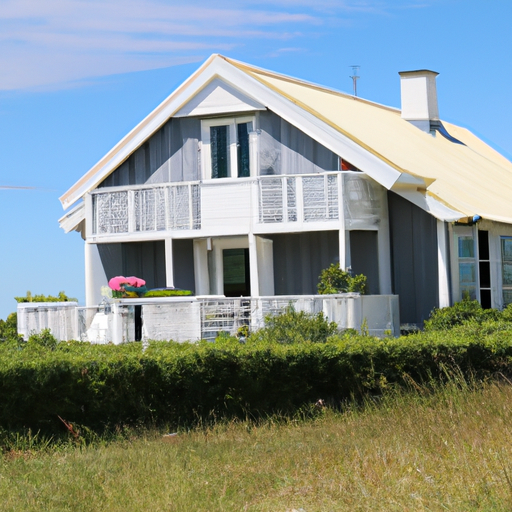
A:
295,327
461,312
101,386
167,293
61,297
9,328
336,280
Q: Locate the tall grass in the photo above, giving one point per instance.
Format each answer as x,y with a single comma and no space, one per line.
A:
446,448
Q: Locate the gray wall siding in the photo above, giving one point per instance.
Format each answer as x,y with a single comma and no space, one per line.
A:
364,258
413,235
299,258
284,149
142,259
183,264
170,155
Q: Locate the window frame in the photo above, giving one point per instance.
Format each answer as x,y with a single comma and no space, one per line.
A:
504,287
206,155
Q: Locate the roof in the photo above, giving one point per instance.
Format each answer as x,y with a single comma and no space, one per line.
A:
450,180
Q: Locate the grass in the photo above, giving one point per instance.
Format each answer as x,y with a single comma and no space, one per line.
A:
436,450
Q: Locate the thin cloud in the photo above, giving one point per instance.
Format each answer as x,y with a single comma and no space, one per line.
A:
65,41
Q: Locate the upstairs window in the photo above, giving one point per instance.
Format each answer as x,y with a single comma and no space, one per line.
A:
226,147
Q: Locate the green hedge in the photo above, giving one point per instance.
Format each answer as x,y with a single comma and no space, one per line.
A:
181,384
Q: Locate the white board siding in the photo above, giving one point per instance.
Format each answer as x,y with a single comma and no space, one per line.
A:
218,97
180,321
226,208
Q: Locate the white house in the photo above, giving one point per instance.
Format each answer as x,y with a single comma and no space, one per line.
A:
245,182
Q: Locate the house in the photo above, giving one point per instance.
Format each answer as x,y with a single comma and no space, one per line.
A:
245,182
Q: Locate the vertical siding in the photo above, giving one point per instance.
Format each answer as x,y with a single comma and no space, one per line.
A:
171,154
300,257
413,234
284,149
142,259
364,258
183,264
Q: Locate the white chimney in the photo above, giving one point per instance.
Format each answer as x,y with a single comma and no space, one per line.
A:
419,97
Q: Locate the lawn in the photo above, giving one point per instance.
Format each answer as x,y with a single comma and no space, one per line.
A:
446,449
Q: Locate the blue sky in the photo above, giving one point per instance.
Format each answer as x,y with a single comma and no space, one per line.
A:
76,76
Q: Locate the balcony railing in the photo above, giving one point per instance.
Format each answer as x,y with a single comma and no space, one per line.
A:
288,199
150,208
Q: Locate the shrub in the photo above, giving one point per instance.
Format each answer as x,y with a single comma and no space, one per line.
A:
9,328
61,297
104,386
461,312
44,339
336,280
167,293
295,327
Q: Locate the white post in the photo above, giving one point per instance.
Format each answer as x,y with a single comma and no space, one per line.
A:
341,213
384,248
95,276
253,266
443,264
169,268
202,277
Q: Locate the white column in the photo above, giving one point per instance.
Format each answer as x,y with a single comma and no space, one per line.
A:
342,233
95,276
169,268
265,266
202,277
384,248
253,266
443,265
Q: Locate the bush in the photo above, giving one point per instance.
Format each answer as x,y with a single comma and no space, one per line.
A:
461,312
104,386
167,293
336,280
9,328
295,327
61,297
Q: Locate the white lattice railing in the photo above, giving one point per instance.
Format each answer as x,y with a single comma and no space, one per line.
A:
306,198
139,209
281,199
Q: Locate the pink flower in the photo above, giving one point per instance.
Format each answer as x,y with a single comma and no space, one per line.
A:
116,282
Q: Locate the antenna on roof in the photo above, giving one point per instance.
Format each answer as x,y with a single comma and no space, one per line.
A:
355,71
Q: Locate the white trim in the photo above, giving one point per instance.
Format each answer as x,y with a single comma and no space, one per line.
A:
384,248
429,204
72,219
217,67
253,266
169,264
443,265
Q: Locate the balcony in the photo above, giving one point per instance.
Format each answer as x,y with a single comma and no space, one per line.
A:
231,206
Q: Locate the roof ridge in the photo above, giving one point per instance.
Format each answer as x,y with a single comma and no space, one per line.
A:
272,74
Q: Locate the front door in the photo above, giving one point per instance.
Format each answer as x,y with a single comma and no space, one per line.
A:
236,272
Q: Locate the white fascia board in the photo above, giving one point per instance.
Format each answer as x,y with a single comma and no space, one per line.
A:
72,219
430,204
316,128
149,125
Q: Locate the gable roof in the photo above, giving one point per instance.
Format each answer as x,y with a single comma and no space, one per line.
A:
449,180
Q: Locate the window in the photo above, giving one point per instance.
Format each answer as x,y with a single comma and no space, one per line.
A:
506,268
226,147
484,269
467,266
